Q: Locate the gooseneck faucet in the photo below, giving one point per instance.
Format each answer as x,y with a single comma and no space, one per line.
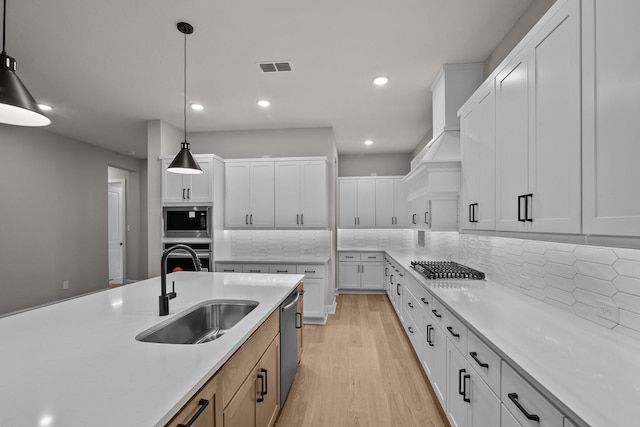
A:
164,296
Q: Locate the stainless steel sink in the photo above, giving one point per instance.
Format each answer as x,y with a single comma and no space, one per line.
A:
202,323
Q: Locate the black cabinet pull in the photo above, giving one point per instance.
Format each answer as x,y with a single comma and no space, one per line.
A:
309,271
465,377
426,221
254,271
386,272
526,207
514,398
250,219
282,271
183,190
228,271
246,219
410,329
298,219
299,317
413,219
203,403
435,313
266,380
450,329
261,397
470,212
410,305
475,357
398,288
460,389
429,329
391,280
188,193
301,219
520,218
424,300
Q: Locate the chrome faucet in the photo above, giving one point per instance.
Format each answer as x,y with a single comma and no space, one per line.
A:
164,296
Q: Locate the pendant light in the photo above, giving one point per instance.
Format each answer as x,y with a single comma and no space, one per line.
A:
184,161
17,106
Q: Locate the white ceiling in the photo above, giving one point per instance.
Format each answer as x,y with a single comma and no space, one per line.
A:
109,66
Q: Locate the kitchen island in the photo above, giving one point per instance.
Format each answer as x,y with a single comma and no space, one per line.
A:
77,362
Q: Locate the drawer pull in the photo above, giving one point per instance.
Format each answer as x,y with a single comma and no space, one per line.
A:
424,300
261,397
231,270
282,271
460,387
475,357
465,377
203,403
435,313
309,271
429,329
254,271
349,257
410,305
372,257
450,329
514,398
410,329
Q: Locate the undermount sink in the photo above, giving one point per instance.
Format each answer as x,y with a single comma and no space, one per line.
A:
202,323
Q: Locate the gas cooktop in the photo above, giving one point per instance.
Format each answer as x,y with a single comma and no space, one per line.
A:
446,270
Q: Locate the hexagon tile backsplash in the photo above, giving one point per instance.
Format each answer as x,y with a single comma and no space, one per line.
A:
600,284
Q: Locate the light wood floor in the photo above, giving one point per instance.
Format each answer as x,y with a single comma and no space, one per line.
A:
359,370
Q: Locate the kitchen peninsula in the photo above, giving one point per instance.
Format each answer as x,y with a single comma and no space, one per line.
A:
77,362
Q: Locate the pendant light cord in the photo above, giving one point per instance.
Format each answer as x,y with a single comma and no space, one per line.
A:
185,87
4,23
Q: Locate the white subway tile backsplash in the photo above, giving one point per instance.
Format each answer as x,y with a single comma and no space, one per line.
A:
560,270
631,254
630,285
560,257
560,282
599,286
628,268
598,271
590,298
566,298
595,254
535,247
534,258
558,304
588,312
630,319
627,301
534,270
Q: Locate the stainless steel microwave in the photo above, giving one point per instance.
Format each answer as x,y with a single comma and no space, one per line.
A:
187,221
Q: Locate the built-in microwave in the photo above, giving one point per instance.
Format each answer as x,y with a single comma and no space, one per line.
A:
187,221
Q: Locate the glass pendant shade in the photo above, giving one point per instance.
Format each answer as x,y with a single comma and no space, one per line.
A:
184,162
17,106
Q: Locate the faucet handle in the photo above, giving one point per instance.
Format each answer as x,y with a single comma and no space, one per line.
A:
172,294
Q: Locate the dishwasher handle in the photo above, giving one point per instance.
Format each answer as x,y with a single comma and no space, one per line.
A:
292,303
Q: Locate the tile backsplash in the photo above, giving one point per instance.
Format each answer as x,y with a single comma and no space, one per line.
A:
274,243
384,238
584,280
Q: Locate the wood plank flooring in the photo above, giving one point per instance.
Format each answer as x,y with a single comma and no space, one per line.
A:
360,370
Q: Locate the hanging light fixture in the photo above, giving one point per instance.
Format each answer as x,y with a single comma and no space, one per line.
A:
17,106
184,161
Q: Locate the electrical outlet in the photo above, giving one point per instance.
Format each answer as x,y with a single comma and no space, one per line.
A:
65,284
608,311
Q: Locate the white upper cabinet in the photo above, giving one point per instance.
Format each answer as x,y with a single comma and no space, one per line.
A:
249,194
357,203
301,194
610,125
188,189
478,141
538,130
392,208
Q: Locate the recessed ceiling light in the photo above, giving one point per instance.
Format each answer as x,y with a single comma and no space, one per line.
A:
45,107
197,107
264,103
380,81
368,142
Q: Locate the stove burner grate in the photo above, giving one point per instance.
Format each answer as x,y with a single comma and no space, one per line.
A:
446,270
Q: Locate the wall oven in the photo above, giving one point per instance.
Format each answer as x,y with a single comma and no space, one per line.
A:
181,260
187,221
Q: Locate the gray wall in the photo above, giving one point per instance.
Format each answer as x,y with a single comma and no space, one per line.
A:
528,19
53,216
380,164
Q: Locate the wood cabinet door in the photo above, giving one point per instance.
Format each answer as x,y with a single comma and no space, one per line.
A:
268,386
241,410
262,196
555,114
314,206
610,125
237,183
287,194
512,142
203,410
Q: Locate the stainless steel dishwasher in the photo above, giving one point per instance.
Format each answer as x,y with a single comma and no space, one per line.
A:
288,344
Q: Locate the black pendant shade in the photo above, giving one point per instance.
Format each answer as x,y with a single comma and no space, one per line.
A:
17,106
184,162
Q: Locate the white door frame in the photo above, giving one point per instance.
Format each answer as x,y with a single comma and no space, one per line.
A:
123,223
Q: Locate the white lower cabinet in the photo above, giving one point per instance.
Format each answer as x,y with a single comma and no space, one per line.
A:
457,380
506,419
434,359
361,270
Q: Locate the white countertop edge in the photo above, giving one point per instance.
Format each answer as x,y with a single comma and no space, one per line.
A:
273,260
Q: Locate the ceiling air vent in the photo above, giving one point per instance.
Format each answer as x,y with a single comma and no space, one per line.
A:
274,67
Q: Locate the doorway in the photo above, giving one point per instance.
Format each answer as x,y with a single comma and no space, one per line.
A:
116,196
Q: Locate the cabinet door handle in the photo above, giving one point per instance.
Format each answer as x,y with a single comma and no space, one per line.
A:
261,397
426,221
355,220
435,313
301,219
266,380
424,300
188,193
299,317
254,271
362,270
246,219
429,329
282,271
398,288
391,280
470,212
228,270
386,272
250,219
183,190
203,403
358,268
410,305
465,377
410,329
475,357
460,389
528,208
450,329
298,219
413,219
309,271
520,218
514,398
358,220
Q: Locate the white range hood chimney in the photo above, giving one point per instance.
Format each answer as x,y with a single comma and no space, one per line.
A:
453,85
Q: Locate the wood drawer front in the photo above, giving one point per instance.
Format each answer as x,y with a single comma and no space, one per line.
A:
456,331
229,268
312,271
528,398
255,268
282,269
371,256
210,416
349,256
236,369
483,355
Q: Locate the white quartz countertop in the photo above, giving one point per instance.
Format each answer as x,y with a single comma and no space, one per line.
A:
77,363
274,260
589,371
